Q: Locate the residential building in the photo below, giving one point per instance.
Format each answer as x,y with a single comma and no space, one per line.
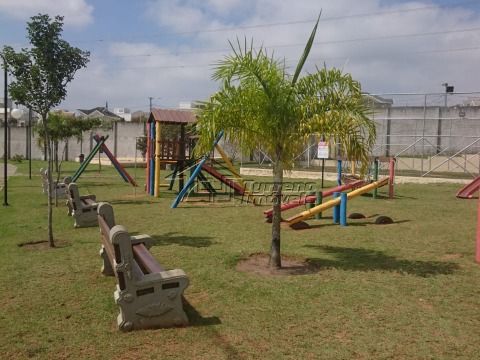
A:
100,113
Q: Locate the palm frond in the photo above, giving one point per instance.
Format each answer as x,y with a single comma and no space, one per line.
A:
306,52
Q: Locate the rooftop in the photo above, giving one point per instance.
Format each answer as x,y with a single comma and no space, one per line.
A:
171,116
101,109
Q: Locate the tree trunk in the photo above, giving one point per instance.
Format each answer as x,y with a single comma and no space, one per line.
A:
55,149
59,170
50,182
275,257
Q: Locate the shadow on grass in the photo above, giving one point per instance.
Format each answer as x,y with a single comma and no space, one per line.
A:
358,259
44,245
182,240
218,339
386,197
195,318
211,204
355,222
131,202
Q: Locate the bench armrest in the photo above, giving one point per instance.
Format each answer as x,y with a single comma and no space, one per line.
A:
168,275
89,196
90,206
142,238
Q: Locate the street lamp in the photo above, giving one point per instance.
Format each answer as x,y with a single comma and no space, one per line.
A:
5,125
448,90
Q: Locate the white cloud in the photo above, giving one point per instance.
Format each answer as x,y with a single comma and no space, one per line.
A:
76,12
178,70
132,79
226,6
177,16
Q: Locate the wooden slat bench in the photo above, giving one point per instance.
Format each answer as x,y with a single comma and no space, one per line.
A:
59,187
82,208
148,295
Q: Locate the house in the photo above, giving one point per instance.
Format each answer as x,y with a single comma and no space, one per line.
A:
100,113
2,109
123,113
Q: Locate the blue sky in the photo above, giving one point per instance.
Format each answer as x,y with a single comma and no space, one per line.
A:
165,48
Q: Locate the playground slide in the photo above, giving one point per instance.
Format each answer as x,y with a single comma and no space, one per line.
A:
120,169
470,189
224,179
89,158
195,173
331,203
311,198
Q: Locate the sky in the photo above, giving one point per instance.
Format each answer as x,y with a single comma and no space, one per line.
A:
167,49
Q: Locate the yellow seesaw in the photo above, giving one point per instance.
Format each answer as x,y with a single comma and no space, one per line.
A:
304,215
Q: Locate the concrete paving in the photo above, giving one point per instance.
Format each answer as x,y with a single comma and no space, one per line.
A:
294,174
11,170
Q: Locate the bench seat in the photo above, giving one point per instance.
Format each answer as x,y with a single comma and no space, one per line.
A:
149,296
59,189
82,208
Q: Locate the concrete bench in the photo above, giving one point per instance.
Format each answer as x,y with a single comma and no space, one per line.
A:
82,208
148,295
59,188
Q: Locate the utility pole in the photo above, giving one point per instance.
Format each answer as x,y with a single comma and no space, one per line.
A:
150,98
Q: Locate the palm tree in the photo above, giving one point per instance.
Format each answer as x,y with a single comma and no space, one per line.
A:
260,103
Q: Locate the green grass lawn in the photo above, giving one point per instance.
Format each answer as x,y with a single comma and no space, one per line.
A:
410,290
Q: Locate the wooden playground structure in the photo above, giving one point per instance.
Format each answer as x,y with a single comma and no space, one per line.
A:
176,152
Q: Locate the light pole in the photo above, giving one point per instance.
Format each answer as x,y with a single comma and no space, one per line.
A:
30,144
5,125
448,89
150,98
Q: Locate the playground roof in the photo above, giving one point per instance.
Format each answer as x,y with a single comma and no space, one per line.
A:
170,116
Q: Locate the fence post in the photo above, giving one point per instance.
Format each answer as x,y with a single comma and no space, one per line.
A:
389,130
312,204
391,179
343,209
477,253
375,176
115,136
339,172
336,209
318,201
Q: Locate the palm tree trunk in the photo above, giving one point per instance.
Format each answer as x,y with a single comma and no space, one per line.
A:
275,257
50,182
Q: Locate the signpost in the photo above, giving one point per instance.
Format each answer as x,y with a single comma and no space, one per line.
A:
322,153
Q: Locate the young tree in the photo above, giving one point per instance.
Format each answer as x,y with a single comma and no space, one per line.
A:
62,127
260,103
41,74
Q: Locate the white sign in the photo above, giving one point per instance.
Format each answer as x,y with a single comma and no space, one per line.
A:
322,150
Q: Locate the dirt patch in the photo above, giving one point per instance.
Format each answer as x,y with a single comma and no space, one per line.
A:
301,225
258,264
383,220
452,256
42,245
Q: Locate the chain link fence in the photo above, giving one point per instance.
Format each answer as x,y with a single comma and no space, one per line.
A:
436,134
